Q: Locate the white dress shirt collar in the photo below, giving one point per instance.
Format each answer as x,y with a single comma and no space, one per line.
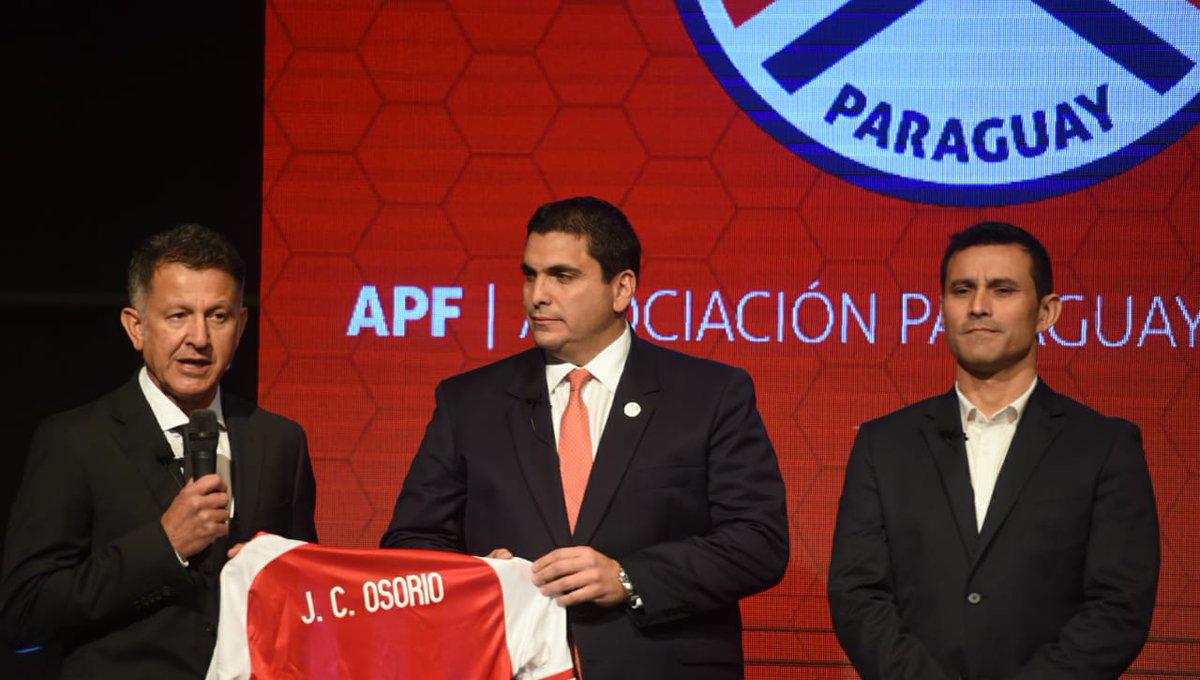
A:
1009,414
606,367
166,412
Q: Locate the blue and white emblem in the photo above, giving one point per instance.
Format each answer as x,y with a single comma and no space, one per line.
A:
960,102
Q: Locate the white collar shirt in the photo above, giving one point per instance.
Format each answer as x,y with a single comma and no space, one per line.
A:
171,420
606,369
988,440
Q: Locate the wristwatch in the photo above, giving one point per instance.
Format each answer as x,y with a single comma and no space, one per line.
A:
631,596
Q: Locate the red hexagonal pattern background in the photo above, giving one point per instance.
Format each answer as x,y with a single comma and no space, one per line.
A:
406,144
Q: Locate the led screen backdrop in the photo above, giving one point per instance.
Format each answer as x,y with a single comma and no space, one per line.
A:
793,169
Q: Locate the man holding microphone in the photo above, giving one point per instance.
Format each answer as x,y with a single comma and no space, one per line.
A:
112,550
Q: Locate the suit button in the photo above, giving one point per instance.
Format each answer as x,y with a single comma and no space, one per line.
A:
210,629
974,598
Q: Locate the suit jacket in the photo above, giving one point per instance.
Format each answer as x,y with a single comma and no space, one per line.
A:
686,494
86,560
1060,581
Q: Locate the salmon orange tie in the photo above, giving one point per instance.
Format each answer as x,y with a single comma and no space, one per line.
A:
575,445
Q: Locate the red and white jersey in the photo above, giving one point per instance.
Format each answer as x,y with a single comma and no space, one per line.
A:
291,609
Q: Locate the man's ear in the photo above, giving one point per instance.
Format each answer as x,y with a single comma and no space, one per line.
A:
244,318
131,321
624,286
1049,310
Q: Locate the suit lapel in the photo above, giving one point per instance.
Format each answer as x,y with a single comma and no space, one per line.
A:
533,441
1040,424
247,459
943,433
622,433
142,442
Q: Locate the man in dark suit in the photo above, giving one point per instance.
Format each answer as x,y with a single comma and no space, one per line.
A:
110,551
999,530
641,480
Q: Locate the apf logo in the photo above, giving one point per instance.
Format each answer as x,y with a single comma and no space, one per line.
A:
960,102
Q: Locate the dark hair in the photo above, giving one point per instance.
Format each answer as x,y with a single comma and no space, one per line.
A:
1001,233
610,238
193,246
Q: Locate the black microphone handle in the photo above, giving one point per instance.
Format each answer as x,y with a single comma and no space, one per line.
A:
200,442
204,462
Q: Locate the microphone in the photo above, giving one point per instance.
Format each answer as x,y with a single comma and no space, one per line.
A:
953,436
532,394
200,438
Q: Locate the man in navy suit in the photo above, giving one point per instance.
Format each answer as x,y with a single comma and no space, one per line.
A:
999,530
640,480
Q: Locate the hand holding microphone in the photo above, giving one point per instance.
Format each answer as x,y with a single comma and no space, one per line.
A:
198,515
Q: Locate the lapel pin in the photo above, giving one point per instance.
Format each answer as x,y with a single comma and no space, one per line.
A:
632,409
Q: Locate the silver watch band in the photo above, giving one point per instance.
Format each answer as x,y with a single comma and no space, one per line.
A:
631,595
